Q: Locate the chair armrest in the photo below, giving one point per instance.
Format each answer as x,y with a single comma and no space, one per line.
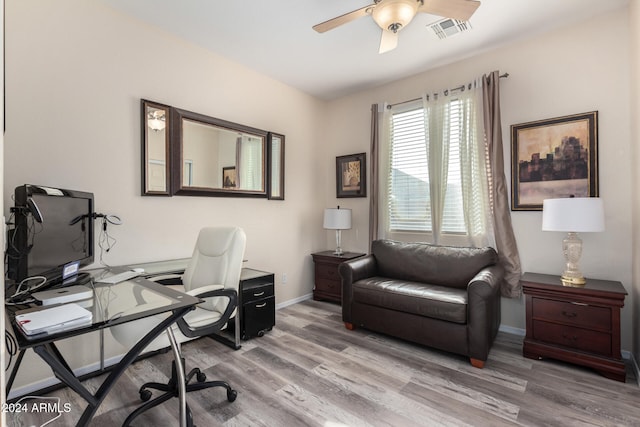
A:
483,310
351,271
208,292
203,291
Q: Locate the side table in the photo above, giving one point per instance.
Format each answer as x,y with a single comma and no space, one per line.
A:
328,285
579,325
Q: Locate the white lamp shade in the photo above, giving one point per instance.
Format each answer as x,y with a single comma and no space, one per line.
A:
337,219
575,214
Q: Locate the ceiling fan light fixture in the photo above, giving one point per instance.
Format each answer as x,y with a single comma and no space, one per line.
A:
392,15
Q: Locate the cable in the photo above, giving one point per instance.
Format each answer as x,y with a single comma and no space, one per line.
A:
56,405
12,347
106,242
16,297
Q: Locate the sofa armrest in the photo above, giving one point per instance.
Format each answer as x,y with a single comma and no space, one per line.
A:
351,271
483,307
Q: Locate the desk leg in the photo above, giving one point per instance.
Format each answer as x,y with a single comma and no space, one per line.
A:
182,387
14,372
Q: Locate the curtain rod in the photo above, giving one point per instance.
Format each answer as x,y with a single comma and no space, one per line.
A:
502,76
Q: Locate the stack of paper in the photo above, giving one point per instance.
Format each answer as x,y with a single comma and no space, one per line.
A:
55,319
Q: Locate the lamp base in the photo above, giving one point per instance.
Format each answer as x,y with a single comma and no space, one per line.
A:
575,282
338,250
572,249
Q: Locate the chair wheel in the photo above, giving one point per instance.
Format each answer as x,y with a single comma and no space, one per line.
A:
232,395
145,395
201,377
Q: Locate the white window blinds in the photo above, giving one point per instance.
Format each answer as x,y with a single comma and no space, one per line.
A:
408,180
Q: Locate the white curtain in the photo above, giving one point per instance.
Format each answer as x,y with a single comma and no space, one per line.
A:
458,166
458,179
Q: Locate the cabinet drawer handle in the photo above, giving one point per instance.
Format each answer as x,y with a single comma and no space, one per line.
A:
261,305
258,294
570,315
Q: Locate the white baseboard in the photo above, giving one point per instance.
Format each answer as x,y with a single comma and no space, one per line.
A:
293,301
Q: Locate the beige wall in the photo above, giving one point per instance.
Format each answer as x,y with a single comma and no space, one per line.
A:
75,74
634,8
569,71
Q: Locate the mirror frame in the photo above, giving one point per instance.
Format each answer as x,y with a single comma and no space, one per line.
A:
144,104
275,193
177,162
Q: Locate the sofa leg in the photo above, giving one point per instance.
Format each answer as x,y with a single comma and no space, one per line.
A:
477,363
349,326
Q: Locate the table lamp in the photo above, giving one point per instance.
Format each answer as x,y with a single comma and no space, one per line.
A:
337,219
573,215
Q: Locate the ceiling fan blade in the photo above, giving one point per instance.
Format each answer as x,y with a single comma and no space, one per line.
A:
343,19
456,9
389,41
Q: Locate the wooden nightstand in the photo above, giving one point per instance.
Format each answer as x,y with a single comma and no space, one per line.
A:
579,325
328,285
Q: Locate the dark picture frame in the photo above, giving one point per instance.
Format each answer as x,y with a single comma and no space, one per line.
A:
229,178
351,175
554,158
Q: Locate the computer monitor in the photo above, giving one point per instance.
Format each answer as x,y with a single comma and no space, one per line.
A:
53,233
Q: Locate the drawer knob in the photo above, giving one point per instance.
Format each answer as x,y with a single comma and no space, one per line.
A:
569,315
259,294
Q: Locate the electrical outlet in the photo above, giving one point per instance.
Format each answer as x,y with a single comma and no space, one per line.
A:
284,278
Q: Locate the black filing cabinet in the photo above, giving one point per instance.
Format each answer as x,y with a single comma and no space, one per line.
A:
257,302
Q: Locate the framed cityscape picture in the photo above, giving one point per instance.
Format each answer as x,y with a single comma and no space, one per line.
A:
554,158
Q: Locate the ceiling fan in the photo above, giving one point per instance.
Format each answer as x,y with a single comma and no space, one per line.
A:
393,15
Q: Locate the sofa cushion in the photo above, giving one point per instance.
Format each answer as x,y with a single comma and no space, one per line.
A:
439,302
423,262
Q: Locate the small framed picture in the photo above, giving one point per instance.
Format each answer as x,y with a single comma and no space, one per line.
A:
229,177
554,158
351,175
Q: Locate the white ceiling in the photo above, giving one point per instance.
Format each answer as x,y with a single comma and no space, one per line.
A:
274,37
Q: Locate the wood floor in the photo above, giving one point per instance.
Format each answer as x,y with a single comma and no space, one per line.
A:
311,371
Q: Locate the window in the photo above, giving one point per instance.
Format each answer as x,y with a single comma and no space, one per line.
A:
436,179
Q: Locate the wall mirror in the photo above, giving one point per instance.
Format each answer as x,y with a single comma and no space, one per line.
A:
213,157
276,166
155,149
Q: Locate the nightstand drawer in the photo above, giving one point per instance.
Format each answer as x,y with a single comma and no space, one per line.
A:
331,286
581,315
576,338
327,272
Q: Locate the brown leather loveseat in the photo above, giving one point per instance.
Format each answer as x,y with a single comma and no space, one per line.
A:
440,296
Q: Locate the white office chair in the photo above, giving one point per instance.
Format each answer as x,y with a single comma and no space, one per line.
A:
213,274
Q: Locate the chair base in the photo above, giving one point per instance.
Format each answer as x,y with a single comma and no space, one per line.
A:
171,390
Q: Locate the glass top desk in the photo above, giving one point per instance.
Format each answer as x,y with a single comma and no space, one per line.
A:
111,305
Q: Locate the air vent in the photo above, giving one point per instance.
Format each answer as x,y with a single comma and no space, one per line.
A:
449,27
